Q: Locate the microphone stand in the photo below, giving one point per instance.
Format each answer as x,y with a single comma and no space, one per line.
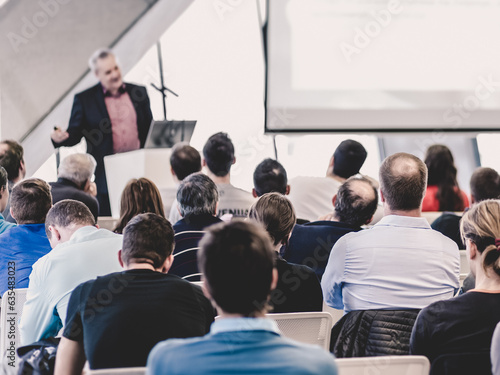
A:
163,89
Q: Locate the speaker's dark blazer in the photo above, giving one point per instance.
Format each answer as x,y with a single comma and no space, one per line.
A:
90,119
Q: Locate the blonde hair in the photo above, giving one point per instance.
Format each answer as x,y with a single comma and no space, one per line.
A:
481,225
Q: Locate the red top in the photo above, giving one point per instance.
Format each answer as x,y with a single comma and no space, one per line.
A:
431,203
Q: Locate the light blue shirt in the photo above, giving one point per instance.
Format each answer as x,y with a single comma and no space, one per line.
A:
90,252
399,263
240,346
5,225
495,351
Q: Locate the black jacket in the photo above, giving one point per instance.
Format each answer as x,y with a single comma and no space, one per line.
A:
373,333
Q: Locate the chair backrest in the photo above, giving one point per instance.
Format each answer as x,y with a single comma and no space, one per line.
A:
387,365
309,327
477,363
119,371
335,313
464,262
11,310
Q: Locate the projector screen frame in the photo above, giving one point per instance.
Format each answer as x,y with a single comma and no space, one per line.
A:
438,128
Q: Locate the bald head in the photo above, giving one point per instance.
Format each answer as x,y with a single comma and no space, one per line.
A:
403,181
356,202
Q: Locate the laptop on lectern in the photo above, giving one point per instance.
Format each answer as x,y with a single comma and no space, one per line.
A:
165,134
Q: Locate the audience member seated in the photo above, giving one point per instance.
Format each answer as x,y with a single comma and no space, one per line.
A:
310,244
115,320
12,159
198,198
184,160
443,192
465,324
400,263
237,261
80,252
312,196
74,181
24,244
218,157
4,200
484,184
298,288
139,196
270,177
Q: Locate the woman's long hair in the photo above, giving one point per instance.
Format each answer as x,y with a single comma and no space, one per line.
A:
443,173
139,196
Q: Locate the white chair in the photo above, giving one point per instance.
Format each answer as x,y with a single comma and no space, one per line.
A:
336,314
386,365
107,222
464,262
10,313
119,371
308,327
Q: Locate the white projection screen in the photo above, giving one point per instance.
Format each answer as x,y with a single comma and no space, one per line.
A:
375,66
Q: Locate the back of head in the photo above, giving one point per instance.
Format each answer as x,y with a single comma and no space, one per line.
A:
481,225
403,181
147,238
185,160
197,195
356,202
219,154
485,184
443,174
30,201
237,262
275,212
68,213
139,196
270,176
12,158
78,168
348,158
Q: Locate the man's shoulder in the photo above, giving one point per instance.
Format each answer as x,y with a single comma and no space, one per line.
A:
90,91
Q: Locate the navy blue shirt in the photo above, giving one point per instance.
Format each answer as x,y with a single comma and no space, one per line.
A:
20,248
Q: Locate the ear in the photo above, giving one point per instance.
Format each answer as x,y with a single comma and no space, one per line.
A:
203,163
234,160
204,288
168,263
54,233
11,214
120,260
473,252
254,193
274,281
334,199
172,171
216,208
382,198
287,191
472,199
369,221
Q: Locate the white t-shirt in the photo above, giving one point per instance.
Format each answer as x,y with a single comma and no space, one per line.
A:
312,196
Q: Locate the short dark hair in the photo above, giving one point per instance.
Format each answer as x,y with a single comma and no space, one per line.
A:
12,158
354,207
185,160
148,238
485,184
30,201
237,261
197,194
4,178
403,181
219,154
67,212
275,212
348,158
270,176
